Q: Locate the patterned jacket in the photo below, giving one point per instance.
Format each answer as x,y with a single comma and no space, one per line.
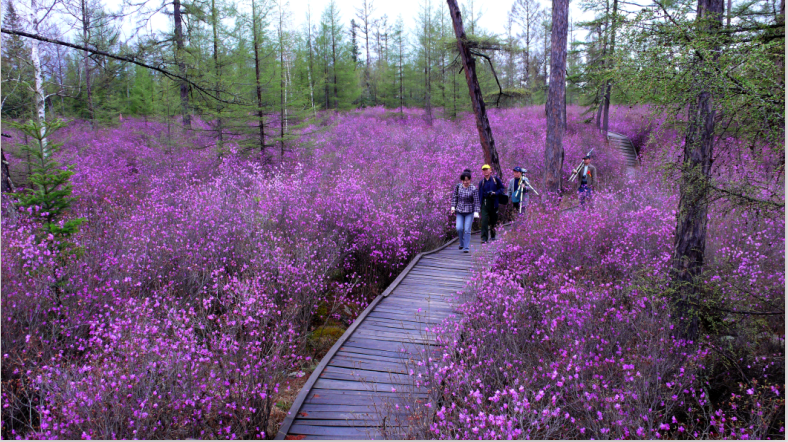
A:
465,199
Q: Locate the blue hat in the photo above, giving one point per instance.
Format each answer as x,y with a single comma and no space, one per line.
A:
519,169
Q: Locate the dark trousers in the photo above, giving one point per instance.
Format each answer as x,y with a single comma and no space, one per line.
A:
489,217
586,194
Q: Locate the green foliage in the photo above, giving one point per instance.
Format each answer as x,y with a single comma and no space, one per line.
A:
669,56
50,192
142,93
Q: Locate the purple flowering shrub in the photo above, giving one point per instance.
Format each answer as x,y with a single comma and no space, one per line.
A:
569,334
199,277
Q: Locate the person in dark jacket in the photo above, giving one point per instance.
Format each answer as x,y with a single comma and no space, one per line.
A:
465,204
588,179
490,188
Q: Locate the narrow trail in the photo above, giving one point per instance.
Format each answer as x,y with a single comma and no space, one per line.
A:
361,388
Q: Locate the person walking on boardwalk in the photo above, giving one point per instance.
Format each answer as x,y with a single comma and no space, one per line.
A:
465,204
588,179
518,191
490,188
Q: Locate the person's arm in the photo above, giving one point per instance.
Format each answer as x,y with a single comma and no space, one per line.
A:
477,206
500,190
454,198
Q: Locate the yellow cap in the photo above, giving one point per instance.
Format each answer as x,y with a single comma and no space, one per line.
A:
486,166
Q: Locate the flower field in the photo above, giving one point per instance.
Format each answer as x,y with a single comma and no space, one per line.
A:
199,278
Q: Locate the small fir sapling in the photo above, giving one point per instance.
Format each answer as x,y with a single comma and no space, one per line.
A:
50,188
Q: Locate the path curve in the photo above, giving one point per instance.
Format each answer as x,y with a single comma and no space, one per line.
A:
361,387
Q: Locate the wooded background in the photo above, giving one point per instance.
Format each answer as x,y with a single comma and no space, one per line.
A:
245,69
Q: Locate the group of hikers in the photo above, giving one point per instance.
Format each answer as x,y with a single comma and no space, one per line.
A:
469,202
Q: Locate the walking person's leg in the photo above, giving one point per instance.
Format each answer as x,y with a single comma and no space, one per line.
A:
468,226
493,221
460,225
485,220
590,197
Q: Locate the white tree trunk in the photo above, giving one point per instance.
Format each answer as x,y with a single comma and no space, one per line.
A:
38,92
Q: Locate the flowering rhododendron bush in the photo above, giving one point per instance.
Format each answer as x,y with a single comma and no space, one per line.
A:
569,334
198,277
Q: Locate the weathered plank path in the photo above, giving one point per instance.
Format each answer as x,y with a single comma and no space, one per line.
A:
362,386
623,144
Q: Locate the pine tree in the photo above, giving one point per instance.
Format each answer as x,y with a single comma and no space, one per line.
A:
50,190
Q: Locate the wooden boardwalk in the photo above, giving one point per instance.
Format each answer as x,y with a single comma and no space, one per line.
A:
362,386
624,145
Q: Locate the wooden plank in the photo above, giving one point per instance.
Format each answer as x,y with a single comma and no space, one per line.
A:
375,322
337,432
359,398
410,318
422,316
430,279
333,398
416,334
401,331
418,309
421,295
385,367
373,422
342,408
449,274
376,344
360,386
407,305
362,372
367,357
317,437
397,379
443,274
348,350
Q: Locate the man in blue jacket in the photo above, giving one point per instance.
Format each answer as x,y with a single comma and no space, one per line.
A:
490,187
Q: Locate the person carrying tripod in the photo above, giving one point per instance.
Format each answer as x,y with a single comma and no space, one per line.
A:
490,188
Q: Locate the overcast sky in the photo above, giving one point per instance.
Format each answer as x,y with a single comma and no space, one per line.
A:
492,13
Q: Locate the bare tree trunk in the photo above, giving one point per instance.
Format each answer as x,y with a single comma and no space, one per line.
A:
477,100
281,93
184,86
326,84
692,218
218,72
86,58
554,149
7,185
311,66
401,77
334,61
609,62
258,84
428,63
364,14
